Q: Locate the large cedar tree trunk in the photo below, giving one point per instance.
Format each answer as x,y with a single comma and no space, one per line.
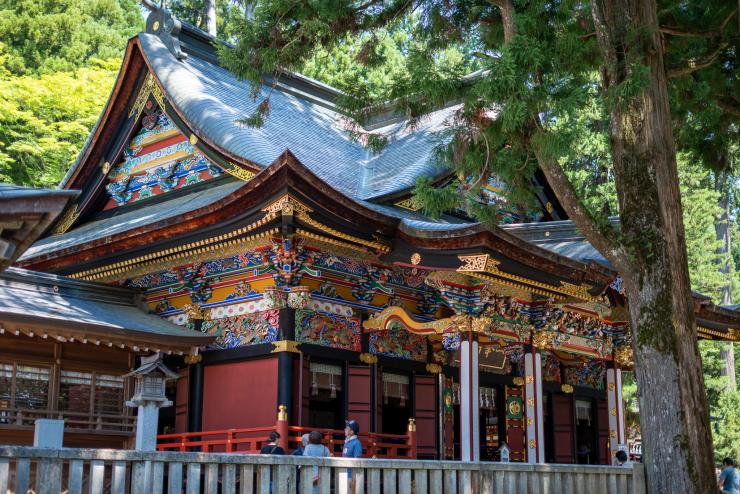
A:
674,414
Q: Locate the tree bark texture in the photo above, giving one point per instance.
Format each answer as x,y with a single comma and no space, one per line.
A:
722,230
211,17
673,408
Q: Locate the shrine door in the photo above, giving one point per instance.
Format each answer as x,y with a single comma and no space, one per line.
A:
563,428
359,396
425,413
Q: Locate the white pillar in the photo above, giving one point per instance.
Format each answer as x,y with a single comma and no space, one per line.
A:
469,404
533,399
617,433
146,425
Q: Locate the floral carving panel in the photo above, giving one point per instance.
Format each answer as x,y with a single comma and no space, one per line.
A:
330,330
248,329
399,343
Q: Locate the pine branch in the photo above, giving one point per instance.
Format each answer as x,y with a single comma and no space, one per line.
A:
603,237
712,33
695,64
731,107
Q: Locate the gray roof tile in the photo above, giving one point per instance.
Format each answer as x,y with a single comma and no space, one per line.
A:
213,100
56,298
130,219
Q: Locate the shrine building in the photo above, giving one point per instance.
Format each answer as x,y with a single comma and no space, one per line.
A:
289,265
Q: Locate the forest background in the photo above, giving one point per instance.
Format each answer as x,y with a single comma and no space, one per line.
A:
59,60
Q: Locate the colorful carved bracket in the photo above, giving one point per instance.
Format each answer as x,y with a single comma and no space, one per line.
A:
397,315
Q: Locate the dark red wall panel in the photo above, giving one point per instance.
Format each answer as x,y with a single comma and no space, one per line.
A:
425,412
359,407
602,419
240,394
563,422
181,401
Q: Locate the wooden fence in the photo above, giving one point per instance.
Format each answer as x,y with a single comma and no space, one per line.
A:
52,471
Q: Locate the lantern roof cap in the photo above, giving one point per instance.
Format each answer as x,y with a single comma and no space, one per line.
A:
151,363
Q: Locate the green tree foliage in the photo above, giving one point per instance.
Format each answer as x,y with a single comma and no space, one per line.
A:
45,36
44,120
58,62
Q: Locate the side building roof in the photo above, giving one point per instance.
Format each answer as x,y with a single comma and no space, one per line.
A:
46,305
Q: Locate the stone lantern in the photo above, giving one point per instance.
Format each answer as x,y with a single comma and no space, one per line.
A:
149,396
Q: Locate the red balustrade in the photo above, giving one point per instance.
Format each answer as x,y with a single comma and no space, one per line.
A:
375,444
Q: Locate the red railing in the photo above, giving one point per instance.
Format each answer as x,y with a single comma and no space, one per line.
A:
224,441
375,444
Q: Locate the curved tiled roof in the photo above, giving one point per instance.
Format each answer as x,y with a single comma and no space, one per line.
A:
213,101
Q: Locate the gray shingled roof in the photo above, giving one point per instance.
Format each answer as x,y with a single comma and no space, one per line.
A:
133,218
57,299
213,101
560,237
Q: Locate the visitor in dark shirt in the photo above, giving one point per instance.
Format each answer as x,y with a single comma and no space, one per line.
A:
272,448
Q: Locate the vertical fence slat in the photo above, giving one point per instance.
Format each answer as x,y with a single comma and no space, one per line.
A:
569,482
157,477
612,484
141,477
324,480
451,482
598,482
341,481
389,481
212,478
404,481
264,473
358,480
97,476
556,484
307,479
522,483
193,480
118,483
284,480
420,481
498,481
435,482
545,482
511,481
174,478
622,484
49,476
466,482
74,484
373,480
228,481
22,474
581,484
638,479
4,475
246,479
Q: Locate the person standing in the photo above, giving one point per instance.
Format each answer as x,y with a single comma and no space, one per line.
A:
622,459
352,445
729,479
315,448
272,448
304,442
